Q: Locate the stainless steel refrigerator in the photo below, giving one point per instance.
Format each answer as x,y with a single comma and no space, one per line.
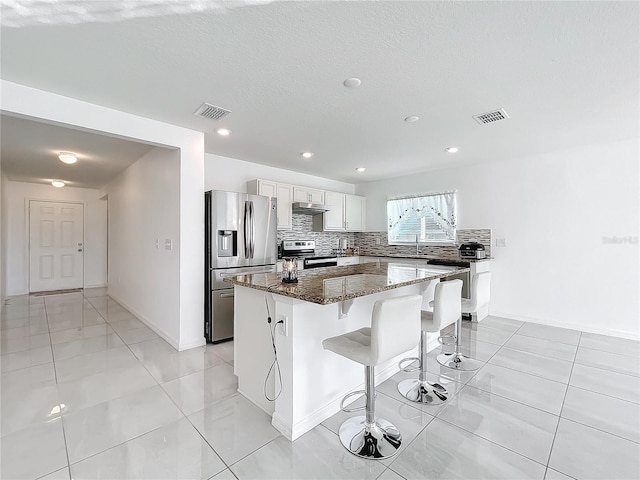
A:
240,238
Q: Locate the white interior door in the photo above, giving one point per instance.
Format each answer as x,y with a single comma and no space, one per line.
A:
56,246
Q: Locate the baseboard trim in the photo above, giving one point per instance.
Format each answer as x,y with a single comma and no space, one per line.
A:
168,338
292,432
571,326
192,344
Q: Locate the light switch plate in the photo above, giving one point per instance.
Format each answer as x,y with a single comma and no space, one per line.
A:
501,242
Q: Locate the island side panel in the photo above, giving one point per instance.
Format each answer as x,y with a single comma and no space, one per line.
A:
253,353
318,379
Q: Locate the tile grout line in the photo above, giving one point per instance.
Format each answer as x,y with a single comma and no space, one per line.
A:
184,416
55,373
553,442
490,441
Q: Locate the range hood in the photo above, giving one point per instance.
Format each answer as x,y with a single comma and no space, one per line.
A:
309,208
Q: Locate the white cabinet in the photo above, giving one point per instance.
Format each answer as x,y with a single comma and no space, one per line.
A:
282,191
310,195
333,220
348,261
354,213
347,213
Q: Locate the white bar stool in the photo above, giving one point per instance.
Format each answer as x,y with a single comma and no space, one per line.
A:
446,310
480,291
395,324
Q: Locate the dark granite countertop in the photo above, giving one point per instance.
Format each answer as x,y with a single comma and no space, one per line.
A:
335,284
434,259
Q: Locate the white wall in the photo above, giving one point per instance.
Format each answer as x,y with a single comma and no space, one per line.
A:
223,173
144,205
30,102
18,195
554,211
3,236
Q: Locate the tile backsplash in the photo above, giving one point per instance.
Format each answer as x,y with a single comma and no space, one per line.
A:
326,242
368,242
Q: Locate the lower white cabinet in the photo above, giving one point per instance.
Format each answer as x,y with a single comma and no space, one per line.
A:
348,261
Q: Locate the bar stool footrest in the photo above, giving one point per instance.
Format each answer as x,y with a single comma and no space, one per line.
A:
348,395
407,368
447,340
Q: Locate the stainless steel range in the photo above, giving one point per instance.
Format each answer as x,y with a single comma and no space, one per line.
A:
306,250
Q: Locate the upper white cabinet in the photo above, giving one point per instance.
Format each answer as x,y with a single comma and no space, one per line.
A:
354,213
282,191
347,213
310,195
333,220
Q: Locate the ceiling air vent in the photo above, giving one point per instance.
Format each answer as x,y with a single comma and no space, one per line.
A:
211,112
491,117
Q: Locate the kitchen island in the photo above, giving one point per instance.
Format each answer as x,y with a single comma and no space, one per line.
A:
324,303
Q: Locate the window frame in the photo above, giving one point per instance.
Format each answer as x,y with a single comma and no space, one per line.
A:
449,218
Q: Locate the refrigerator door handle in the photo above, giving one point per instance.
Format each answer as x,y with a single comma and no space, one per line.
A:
253,229
247,219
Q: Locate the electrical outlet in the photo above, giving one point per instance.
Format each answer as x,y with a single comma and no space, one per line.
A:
501,242
378,241
157,243
283,328
168,244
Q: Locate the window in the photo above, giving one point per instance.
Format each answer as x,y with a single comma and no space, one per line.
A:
428,218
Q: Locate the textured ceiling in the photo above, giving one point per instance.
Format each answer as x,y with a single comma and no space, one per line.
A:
567,73
29,152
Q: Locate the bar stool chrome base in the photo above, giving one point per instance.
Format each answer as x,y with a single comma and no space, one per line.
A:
423,392
376,441
457,361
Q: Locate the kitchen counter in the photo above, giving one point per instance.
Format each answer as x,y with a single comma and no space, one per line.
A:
324,303
329,285
434,260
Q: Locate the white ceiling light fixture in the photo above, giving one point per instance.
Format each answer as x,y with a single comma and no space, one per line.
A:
452,149
352,82
412,118
68,157
306,154
360,169
225,132
57,183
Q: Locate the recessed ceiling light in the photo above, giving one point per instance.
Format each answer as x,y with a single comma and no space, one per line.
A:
68,157
360,169
57,183
452,149
352,82
225,132
306,154
412,118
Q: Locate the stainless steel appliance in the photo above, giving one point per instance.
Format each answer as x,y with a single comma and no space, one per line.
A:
307,208
472,250
240,239
306,249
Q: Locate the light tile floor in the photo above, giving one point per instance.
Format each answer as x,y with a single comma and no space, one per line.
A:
88,391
